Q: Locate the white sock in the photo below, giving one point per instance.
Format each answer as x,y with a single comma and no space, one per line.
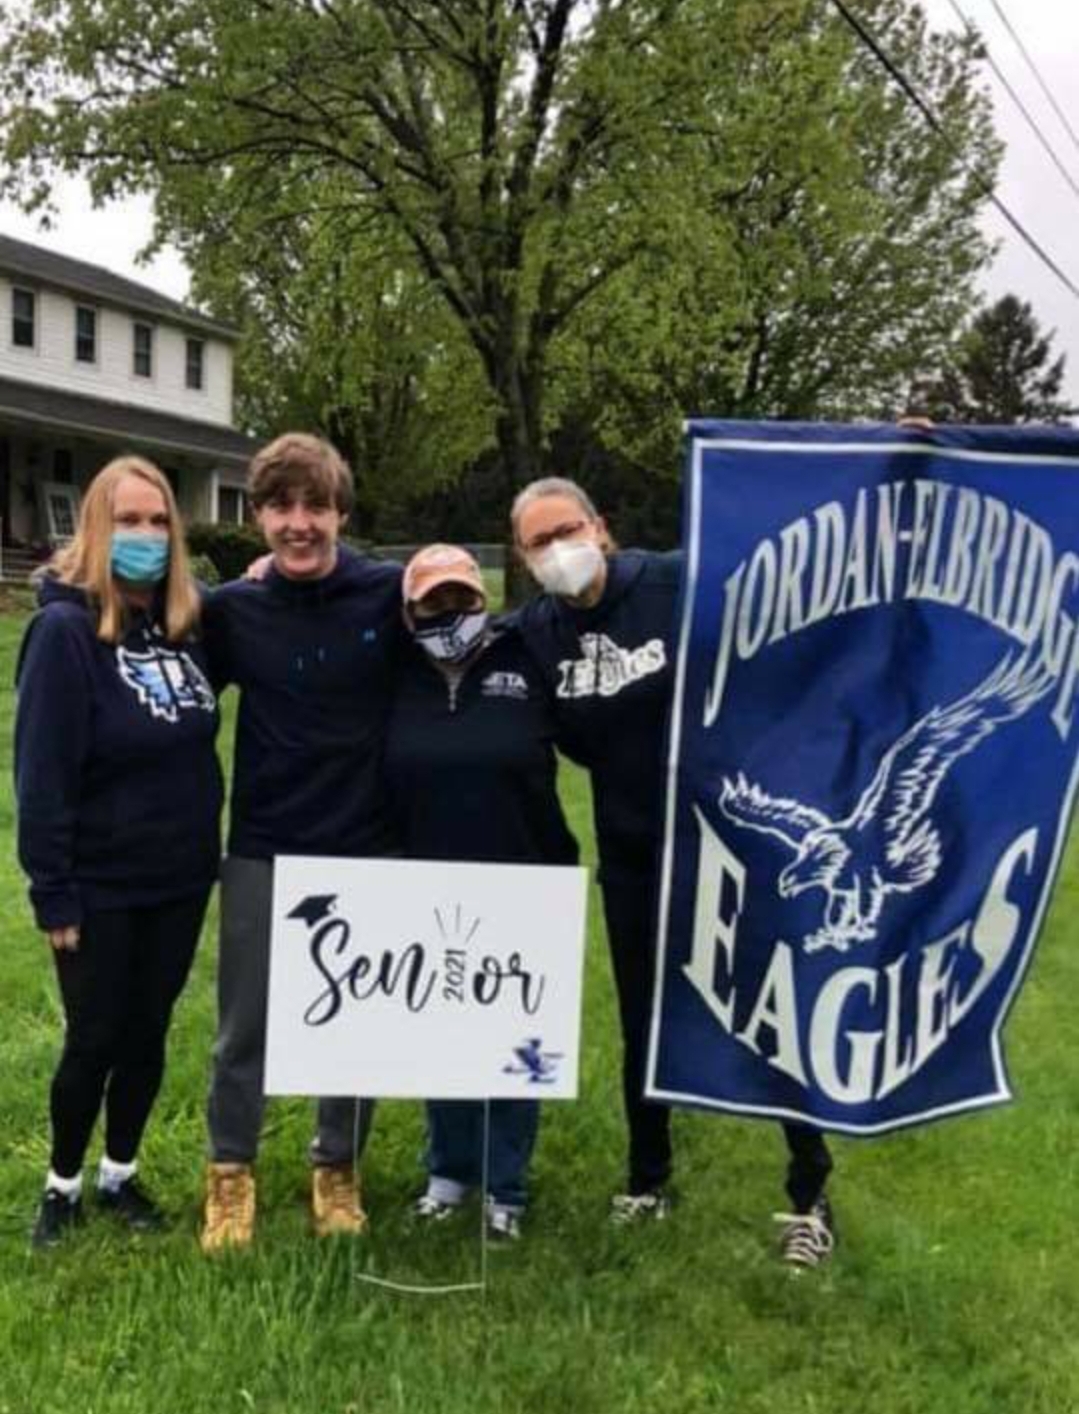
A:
446,1190
110,1174
71,1188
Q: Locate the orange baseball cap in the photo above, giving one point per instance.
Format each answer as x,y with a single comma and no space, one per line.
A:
440,564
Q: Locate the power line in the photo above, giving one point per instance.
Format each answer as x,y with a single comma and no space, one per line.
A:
1003,79
1036,72
934,122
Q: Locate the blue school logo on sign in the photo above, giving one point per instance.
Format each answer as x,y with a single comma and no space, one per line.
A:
530,1060
872,763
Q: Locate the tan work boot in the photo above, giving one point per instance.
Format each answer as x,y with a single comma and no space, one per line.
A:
335,1201
230,1207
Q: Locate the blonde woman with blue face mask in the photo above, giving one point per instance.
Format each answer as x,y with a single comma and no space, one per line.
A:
118,794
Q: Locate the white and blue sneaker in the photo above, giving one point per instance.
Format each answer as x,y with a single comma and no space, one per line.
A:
503,1224
628,1209
429,1209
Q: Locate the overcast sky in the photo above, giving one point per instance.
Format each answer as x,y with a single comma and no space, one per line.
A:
1030,184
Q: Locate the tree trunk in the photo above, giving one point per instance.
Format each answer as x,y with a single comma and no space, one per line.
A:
520,444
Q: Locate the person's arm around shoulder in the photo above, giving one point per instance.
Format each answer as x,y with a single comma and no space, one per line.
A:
52,738
544,685
214,632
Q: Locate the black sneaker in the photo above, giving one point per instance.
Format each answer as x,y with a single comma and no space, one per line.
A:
56,1216
132,1206
807,1239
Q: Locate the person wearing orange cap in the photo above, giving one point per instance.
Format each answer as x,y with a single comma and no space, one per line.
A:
470,775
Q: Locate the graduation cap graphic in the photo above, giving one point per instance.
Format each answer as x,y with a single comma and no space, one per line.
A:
314,908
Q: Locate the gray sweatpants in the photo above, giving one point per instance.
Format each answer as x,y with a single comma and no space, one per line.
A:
234,1113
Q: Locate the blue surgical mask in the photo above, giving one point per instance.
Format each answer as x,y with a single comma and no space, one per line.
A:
139,558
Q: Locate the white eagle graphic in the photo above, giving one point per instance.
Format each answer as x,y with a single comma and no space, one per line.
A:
888,843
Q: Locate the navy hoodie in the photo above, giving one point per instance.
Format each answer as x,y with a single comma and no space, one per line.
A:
117,782
611,670
470,763
314,662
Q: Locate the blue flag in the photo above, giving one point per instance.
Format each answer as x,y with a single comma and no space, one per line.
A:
872,764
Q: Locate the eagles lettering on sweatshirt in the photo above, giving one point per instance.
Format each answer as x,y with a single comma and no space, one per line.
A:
118,787
610,668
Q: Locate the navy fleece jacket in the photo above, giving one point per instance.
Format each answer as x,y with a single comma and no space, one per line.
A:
470,763
314,664
117,782
610,668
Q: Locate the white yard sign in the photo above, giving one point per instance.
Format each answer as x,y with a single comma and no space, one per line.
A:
432,980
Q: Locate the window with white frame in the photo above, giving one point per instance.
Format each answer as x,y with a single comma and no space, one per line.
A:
231,505
194,365
143,350
61,506
85,334
23,318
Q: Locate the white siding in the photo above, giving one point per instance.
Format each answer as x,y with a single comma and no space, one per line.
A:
52,361
31,458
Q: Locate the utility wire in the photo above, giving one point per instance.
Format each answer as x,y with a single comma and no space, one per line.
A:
1002,77
934,122
1037,73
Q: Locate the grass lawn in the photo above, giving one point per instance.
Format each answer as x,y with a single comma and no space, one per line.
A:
954,1288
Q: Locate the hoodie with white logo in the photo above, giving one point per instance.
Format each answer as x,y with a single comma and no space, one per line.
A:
118,787
611,670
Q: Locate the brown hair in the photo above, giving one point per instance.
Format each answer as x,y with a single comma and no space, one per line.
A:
297,462
86,561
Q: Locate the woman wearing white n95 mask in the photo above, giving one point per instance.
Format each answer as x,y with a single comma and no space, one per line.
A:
604,631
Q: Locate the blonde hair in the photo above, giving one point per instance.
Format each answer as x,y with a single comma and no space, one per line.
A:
86,561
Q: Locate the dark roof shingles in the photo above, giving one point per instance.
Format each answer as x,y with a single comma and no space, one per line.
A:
75,412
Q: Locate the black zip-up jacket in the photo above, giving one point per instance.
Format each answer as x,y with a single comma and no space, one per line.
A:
314,663
611,670
117,782
470,763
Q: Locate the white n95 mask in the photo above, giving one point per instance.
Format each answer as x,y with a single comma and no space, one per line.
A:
566,567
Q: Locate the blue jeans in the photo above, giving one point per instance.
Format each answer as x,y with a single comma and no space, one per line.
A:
455,1148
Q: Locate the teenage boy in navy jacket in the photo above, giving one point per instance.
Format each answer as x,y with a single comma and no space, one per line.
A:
310,646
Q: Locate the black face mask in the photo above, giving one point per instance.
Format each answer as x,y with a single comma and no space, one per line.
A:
450,637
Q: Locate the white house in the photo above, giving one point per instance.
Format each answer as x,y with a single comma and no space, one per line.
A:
91,365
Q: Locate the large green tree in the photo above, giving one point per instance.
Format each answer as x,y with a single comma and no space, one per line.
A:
1001,371
837,253
627,209
347,336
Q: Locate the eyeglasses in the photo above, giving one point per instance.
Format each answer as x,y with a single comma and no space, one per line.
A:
565,531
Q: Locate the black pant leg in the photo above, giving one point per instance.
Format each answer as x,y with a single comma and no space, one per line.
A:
808,1167
94,986
629,908
164,939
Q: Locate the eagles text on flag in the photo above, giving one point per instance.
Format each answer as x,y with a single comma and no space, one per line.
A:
872,763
